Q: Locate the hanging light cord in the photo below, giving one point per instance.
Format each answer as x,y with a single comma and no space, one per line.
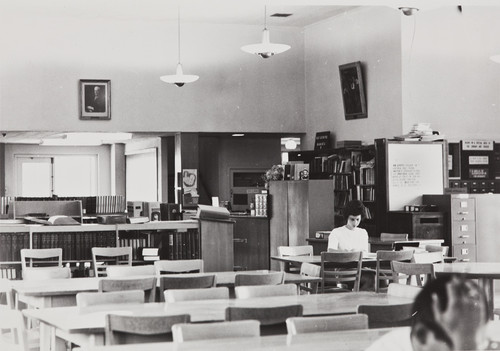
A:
179,34
265,17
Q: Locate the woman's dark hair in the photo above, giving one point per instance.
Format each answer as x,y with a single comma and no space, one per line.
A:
424,320
354,208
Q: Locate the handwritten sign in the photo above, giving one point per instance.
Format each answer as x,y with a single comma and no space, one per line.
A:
477,145
405,175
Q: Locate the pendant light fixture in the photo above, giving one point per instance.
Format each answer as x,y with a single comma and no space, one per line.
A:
265,49
179,78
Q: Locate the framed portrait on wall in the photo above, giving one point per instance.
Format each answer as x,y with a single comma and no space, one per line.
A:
95,99
353,91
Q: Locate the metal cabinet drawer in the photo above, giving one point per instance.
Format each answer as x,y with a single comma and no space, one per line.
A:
464,253
463,210
463,232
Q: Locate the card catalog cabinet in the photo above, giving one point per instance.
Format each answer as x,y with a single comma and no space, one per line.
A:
460,211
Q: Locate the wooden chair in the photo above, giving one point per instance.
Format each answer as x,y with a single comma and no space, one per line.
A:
302,325
247,292
383,269
218,330
178,266
127,271
148,285
44,257
183,282
176,295
43,273
89,299
412,272
272,319
387,316
16,339
309,270
339,268
110,255
120,329
403,290
271,278
393,236
284,251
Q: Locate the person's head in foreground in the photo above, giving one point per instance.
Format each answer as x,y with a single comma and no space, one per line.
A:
353,213
450,313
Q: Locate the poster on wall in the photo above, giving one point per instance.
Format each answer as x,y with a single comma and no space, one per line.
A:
190,187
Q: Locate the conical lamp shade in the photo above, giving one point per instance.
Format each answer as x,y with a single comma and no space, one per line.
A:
179,78
265,49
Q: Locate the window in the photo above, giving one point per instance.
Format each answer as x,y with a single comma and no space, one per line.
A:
61,175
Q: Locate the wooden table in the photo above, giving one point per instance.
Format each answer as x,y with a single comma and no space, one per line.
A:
485,272
87,327
349,340
62,292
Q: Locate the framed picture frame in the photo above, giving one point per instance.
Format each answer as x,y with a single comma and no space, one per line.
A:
353,90
95,99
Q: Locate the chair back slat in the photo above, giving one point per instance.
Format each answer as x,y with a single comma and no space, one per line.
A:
89,299
218,330
183,282
246,292
120,329
302,325
45,257
148,285
179,266
340,267
176,295
271,278
393,236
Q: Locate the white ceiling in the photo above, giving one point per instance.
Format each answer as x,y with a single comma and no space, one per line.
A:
251,12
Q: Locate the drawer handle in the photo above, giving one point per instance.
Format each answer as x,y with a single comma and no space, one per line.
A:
465,259
244,241
464,236
463,213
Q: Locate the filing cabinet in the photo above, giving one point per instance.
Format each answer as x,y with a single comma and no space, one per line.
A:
460,223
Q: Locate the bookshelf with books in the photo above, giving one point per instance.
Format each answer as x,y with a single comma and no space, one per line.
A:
352,169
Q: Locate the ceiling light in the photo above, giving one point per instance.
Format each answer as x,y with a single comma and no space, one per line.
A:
179,78
265,49
238,135
408,11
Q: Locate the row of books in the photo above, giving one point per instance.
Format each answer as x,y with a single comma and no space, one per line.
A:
136,244
90,204
331,164
11,245
5,202
184,245
362,193
10,272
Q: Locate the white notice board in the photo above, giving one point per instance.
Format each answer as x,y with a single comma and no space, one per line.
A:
413,169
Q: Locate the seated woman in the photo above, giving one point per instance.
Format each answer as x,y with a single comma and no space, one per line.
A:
350,237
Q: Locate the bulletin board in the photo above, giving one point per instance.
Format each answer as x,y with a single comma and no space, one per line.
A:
414,169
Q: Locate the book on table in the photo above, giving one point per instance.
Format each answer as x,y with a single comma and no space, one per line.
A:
53,220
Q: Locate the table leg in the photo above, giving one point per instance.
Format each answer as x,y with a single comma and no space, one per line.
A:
489,289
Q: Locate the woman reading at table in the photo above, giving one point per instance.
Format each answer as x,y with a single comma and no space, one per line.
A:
350,237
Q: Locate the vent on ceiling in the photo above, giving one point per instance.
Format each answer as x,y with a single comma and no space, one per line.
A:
281,15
